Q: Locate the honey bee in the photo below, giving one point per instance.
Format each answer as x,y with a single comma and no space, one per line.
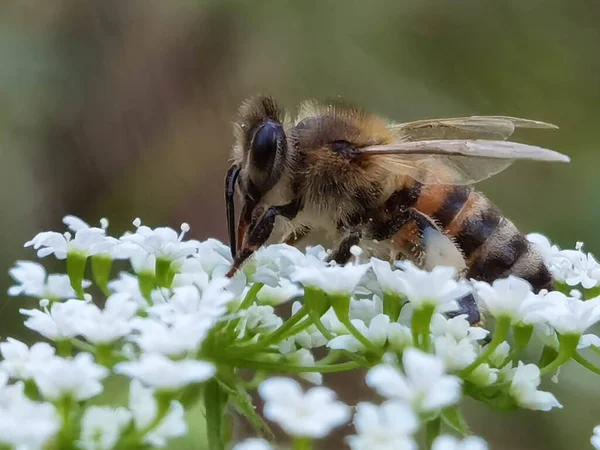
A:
398,189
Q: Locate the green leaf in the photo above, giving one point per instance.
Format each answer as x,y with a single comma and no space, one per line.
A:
454,418
242,401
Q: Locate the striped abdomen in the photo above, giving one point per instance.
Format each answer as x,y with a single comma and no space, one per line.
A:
491,245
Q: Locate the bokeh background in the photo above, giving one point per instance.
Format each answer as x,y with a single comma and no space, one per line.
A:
124,108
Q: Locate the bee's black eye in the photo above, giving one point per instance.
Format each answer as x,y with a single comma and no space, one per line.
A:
265,143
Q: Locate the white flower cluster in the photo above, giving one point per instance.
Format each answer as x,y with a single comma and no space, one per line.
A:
572,267
177,328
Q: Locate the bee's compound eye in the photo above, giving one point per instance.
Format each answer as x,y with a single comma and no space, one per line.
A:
264,145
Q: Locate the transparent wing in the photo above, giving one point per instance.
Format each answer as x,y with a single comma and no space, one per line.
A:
454,161
474,127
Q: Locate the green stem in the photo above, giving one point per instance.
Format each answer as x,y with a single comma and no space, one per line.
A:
392,306
283,368
64,348
502,327
214,410
82,345
585,363
324,331
302,444
146,282
66,436
101,265
332,357
75,269
248,300
361,338
432,431
298,328
568,347
162,272
273,338
420,325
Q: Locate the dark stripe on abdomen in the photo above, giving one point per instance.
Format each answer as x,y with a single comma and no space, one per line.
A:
452,205
476,229
497,260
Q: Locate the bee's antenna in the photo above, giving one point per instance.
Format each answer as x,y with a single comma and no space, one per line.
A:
230,182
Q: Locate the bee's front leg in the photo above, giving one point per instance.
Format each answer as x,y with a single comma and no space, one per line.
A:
259,233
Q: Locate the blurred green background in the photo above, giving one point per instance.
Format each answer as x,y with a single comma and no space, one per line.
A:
123,109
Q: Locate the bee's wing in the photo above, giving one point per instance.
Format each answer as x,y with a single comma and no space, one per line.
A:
454,161
474,127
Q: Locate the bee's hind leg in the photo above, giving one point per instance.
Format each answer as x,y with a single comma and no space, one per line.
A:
467,306
342,253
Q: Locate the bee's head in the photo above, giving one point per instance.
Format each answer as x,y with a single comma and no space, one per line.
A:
260,153
260,149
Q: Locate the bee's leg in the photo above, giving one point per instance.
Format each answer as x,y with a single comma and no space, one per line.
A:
260,231
416,237
467,305
342,254
296,235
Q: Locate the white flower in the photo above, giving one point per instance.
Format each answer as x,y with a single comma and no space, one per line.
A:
141,261
209,305
25,425
455,354
483,375
511,297
19,361
101,427
447,442
523,388
585,270
499,355
253,444
161,242
34,282
385,427
569,315
312,414
333,280
286,291
458,327
272,262
312,337
191,273
87,242
260,319
128,284
60,322
425,386
184,334
377,333
212,254
544,246
303,357
572,267
102,326
366,309
160,372
437,288
390,281
595,439
144,408
78,377
399,337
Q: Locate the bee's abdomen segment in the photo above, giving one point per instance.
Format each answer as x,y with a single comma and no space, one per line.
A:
493,247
